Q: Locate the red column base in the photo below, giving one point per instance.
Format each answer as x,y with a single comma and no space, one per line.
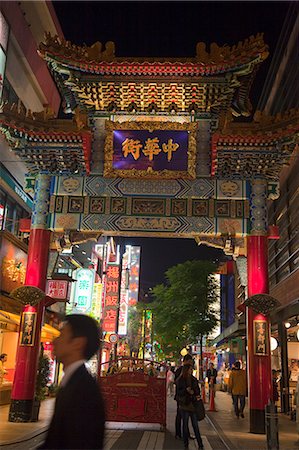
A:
257,421
20,411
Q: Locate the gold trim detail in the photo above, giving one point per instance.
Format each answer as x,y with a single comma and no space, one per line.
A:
110,172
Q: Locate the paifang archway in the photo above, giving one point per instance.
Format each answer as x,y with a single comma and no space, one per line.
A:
152,149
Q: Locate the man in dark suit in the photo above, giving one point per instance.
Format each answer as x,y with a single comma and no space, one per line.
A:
79,417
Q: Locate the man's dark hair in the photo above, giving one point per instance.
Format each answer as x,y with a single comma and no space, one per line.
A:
237,365
85,326
2,356
187,357
185,370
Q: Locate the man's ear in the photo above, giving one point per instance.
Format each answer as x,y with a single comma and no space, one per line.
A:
80,344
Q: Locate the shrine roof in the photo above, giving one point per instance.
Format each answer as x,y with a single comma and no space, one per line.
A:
263,127
214,80
256,149
102,61
46,144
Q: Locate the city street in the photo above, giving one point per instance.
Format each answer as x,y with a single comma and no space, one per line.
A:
220,431
149,227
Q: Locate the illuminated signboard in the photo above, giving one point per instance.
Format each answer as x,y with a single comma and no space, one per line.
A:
84,289
111,298
156,150
13,262
58,289
140,149
134,275
96,304
124,294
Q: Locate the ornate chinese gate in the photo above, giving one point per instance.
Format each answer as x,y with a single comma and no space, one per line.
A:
153,150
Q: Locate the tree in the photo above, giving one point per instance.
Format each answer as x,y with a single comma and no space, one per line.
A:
184,308
134,329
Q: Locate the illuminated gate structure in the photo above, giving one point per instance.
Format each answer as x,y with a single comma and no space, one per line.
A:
155,147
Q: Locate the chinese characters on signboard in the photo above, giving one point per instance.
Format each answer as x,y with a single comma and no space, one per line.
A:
134,275
261,337
28,326
111,298
84,289
158,150
124,294
96,304
58,289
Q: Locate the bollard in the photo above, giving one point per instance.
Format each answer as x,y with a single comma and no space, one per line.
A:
271,417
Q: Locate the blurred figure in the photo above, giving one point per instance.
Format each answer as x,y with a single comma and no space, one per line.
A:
275,386
187,360
112,368
188,391
170,382
211,375
151,371
3,371
131,367
79,418
226,376
238,386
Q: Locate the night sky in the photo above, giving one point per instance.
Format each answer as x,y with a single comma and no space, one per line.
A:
171,29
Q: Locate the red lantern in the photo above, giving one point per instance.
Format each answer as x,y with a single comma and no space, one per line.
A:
273,232
24,225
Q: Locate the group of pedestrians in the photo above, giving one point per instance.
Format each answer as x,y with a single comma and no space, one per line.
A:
79,415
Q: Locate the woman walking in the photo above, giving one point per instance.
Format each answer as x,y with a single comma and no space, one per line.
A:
188,392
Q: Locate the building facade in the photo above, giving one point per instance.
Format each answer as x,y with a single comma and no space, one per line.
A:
26,83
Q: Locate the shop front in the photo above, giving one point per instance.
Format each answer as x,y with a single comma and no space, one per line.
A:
285,360
13,262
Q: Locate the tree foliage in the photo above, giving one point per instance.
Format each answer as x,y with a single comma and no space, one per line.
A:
184,308
134,328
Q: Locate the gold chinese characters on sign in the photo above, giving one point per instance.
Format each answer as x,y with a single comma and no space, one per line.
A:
261,337
150,150
28,327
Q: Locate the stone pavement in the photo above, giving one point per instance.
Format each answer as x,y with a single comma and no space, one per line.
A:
235,432
220,431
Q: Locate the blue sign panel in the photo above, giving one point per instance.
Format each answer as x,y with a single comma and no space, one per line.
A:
144,150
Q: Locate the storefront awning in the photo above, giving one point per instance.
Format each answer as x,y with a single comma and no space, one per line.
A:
11,322
8,322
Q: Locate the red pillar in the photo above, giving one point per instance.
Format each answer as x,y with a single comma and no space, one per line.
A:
27,355
259,367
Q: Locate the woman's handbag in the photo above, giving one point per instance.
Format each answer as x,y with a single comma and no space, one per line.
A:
199,409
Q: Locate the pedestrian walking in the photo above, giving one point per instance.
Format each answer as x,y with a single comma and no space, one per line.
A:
238,387
188,392
170,382
79,417
3,371
275,386
178,418
211,375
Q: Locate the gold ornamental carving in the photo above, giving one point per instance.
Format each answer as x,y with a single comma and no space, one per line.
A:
28,295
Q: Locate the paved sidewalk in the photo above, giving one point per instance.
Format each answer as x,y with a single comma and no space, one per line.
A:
119,436
235,432
15,432
220,431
